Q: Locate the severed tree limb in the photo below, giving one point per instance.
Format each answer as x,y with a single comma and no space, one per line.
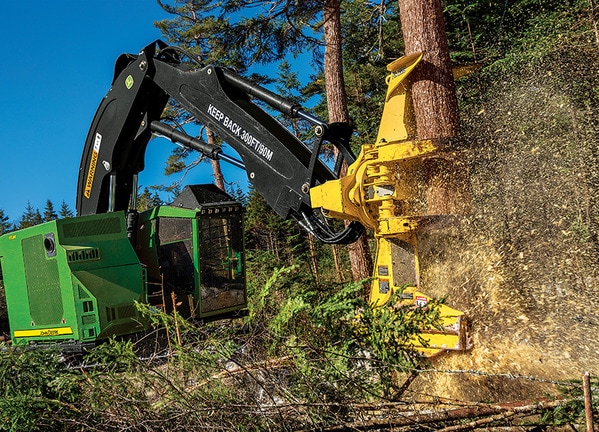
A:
478,423
490,413
404,387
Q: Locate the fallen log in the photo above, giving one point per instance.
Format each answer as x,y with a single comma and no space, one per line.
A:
488,413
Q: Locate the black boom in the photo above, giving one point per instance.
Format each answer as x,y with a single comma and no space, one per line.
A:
280,166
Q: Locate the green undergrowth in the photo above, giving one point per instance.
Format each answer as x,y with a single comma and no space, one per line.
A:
572,412
301,357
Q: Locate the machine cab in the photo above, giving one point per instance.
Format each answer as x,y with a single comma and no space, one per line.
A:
194,254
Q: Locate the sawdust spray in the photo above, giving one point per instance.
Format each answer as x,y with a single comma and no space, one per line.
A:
523,264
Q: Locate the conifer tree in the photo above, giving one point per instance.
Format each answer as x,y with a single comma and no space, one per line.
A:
267,231
359,253
65,211
483,31
370,41
4,224
199,27
435,103
147,200
30,217
433,89
49,212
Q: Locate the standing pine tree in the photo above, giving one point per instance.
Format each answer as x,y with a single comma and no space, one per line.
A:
359,252
147,200
49,213
4,224
30,217
65,211
433,89
435,103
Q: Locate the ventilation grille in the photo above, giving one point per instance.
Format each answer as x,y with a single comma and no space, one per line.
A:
126,311
83,294
83,255
174,229
88,319
43,283
92,227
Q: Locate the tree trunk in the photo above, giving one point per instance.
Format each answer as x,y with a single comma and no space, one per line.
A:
219,179
435,103
338,270
433,89
333,63
359,252
314,260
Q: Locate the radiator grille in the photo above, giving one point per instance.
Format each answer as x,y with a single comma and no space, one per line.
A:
88,319
92,227
83,255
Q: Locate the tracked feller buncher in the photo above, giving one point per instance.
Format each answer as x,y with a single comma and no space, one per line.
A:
74,282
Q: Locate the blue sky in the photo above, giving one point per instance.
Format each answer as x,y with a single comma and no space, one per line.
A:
56,66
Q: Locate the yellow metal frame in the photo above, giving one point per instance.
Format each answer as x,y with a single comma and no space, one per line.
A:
382,190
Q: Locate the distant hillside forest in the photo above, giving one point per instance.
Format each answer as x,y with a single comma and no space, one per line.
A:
32,216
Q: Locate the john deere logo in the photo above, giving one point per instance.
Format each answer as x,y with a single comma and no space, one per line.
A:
129,82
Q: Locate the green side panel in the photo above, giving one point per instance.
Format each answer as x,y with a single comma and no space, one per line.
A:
87,312
43,283
113,290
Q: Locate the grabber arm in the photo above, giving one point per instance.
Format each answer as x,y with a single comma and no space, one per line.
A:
385,190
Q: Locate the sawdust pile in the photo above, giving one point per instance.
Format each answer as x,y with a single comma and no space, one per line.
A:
524,264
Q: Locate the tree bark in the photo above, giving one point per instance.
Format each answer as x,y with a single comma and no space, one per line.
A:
435,104
333,63
436,418
433,89
314,260
219,179
359,252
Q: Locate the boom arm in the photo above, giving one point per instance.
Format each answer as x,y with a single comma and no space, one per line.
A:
280,166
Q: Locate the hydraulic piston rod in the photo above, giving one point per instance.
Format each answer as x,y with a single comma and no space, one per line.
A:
188,141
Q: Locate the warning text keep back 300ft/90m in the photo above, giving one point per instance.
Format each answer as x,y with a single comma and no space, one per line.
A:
237,130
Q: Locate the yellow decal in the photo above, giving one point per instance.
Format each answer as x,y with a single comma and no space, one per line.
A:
92,166
12,237
129,82
57,331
